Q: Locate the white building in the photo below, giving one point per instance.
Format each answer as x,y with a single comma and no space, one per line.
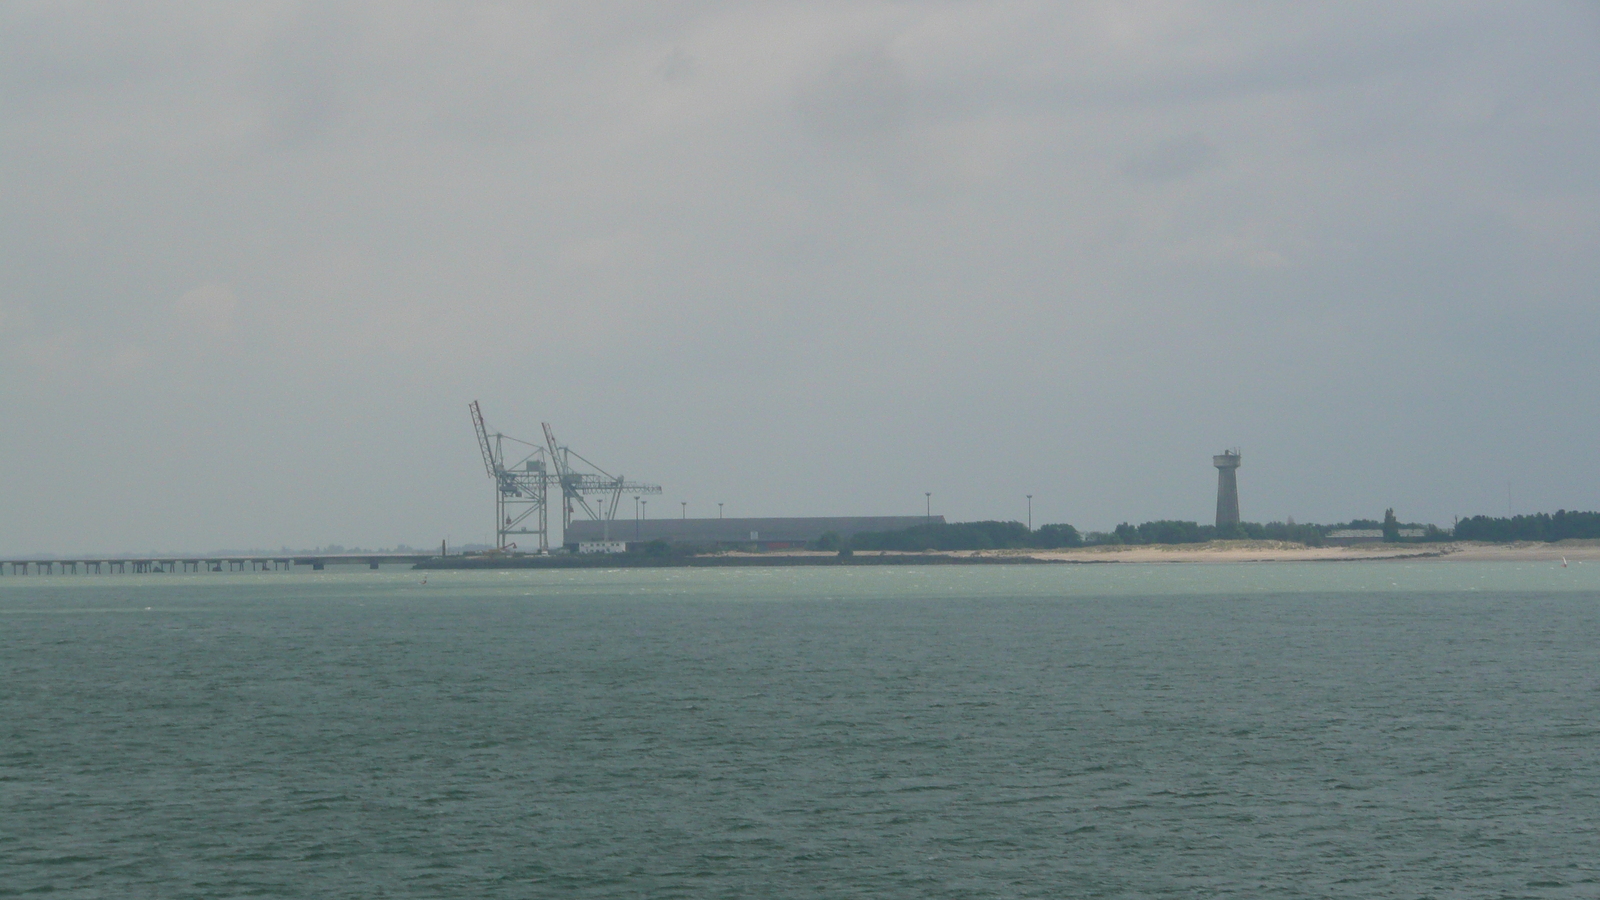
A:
602,546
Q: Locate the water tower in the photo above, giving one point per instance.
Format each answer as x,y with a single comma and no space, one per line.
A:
1227,490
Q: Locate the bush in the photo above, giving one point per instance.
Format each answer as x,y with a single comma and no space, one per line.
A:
1164,531
1561,525
1169,531
1053,536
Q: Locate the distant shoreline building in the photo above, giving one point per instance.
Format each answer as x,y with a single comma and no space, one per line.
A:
1343,537
762,534
1227,464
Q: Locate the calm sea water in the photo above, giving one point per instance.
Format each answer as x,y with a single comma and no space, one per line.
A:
1287,730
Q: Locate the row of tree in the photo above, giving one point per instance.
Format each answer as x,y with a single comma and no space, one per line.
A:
1558,526
958,536
1168,531
1016,536
992,535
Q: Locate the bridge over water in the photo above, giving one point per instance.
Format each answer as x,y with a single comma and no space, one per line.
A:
98,565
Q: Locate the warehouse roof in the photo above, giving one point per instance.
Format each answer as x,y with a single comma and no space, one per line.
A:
736,531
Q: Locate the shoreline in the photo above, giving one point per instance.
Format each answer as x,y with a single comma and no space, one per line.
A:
1272,551
1214,552
719,561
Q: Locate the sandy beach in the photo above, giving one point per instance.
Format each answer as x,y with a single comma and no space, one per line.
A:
1276,551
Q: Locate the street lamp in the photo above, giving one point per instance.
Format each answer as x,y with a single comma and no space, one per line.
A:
1030,513
635,518
927,513
719,510
685,505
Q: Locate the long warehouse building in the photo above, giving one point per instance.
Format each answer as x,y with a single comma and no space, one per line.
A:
767,534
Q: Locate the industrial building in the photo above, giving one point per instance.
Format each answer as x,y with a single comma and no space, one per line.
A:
762,534
1345,537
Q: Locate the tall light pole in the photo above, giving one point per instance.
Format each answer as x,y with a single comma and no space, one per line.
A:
644,509
719,510
927,513
636,518
1030,514
685,505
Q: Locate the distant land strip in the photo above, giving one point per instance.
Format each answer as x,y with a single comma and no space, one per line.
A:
635,561
1214,552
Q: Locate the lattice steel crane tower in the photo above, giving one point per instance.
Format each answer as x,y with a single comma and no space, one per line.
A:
578,485
519,486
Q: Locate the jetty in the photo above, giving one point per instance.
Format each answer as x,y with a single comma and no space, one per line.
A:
143,565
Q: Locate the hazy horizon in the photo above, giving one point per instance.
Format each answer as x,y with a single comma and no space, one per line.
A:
797,258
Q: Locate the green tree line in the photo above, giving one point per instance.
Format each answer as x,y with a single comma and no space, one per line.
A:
960,536
1556,526
1015,536
993,535
1169,531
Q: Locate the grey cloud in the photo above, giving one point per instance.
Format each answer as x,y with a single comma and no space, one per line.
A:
797,257
859,94
299,78
677,66
1173,158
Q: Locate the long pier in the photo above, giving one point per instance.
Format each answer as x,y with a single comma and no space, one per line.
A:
97,565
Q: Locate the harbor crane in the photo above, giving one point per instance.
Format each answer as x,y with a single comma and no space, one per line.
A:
520,485
580,486
523,473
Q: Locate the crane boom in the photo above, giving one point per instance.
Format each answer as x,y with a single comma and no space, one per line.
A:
557,459
490,464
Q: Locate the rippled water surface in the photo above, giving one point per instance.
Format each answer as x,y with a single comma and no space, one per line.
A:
1287,730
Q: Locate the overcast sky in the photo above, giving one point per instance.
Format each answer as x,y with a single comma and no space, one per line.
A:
800,258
